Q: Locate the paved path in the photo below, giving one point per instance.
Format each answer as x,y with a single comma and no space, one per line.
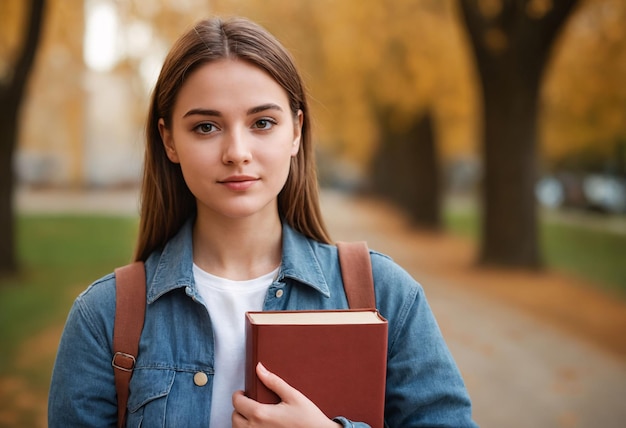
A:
519,371
102,201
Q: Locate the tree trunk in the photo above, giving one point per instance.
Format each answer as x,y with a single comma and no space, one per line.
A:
8,259
509,221
511,49
406,172
11,97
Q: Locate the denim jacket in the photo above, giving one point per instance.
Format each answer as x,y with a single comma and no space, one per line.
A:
424,386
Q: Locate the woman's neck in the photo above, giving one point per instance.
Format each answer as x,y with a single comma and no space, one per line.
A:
237,249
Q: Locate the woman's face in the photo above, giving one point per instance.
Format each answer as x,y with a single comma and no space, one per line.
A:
233,134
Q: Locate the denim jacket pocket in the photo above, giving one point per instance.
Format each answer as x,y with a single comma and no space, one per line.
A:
149,389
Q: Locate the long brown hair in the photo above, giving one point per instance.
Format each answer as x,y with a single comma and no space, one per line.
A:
166,201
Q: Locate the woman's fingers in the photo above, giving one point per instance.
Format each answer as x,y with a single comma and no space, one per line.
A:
294,411
245,408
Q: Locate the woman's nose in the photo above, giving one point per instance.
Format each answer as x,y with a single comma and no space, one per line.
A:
236,149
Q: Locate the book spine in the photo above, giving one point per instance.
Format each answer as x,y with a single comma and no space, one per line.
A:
251,359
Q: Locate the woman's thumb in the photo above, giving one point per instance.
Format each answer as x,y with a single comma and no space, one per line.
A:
274,383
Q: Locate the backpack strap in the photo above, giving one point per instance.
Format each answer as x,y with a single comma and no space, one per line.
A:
356,271
130,311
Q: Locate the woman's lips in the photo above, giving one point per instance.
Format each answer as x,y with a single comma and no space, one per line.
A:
239,182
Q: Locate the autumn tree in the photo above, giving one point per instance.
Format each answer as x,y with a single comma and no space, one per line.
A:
389,94
12,89
512,43
406,168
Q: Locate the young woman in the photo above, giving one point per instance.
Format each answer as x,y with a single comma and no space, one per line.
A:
230,223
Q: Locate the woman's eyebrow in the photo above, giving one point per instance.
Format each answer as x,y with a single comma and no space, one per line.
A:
263,107
202,112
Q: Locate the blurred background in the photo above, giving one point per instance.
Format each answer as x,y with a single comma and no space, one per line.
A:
481,143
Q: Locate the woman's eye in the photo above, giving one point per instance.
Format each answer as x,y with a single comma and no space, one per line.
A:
264,124
205,128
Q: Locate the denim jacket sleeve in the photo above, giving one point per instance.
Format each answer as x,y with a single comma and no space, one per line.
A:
82,391
349,424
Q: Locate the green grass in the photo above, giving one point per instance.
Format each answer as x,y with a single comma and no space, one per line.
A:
596,255
59,256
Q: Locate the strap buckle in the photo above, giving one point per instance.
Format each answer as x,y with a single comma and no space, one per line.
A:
123,361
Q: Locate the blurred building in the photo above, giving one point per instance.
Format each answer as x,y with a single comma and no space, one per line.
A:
77,124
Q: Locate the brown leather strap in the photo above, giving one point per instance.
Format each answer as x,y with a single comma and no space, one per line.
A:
356,271
130,311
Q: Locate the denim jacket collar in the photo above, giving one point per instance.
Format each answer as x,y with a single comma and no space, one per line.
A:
174,263
300,261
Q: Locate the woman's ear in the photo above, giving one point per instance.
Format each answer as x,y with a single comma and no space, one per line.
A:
168,141
298,122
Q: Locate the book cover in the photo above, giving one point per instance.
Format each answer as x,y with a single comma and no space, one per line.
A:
337,358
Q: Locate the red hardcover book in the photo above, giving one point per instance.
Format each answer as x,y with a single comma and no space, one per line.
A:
338,359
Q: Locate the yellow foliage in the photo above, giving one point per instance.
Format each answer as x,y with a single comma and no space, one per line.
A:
584,94
12,15
360,58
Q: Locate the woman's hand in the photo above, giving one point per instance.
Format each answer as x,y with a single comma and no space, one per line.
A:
294,410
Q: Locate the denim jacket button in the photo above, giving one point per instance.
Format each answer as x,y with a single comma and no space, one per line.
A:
200,379
279,293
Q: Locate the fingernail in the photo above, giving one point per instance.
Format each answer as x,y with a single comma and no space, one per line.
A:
262,368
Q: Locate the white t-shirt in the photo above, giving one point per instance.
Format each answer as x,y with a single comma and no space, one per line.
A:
227,302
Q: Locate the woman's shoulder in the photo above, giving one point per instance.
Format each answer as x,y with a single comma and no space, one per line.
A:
391,280
93,311
384,266
99,296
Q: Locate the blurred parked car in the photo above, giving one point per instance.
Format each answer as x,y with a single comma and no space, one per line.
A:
602,192
605,192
